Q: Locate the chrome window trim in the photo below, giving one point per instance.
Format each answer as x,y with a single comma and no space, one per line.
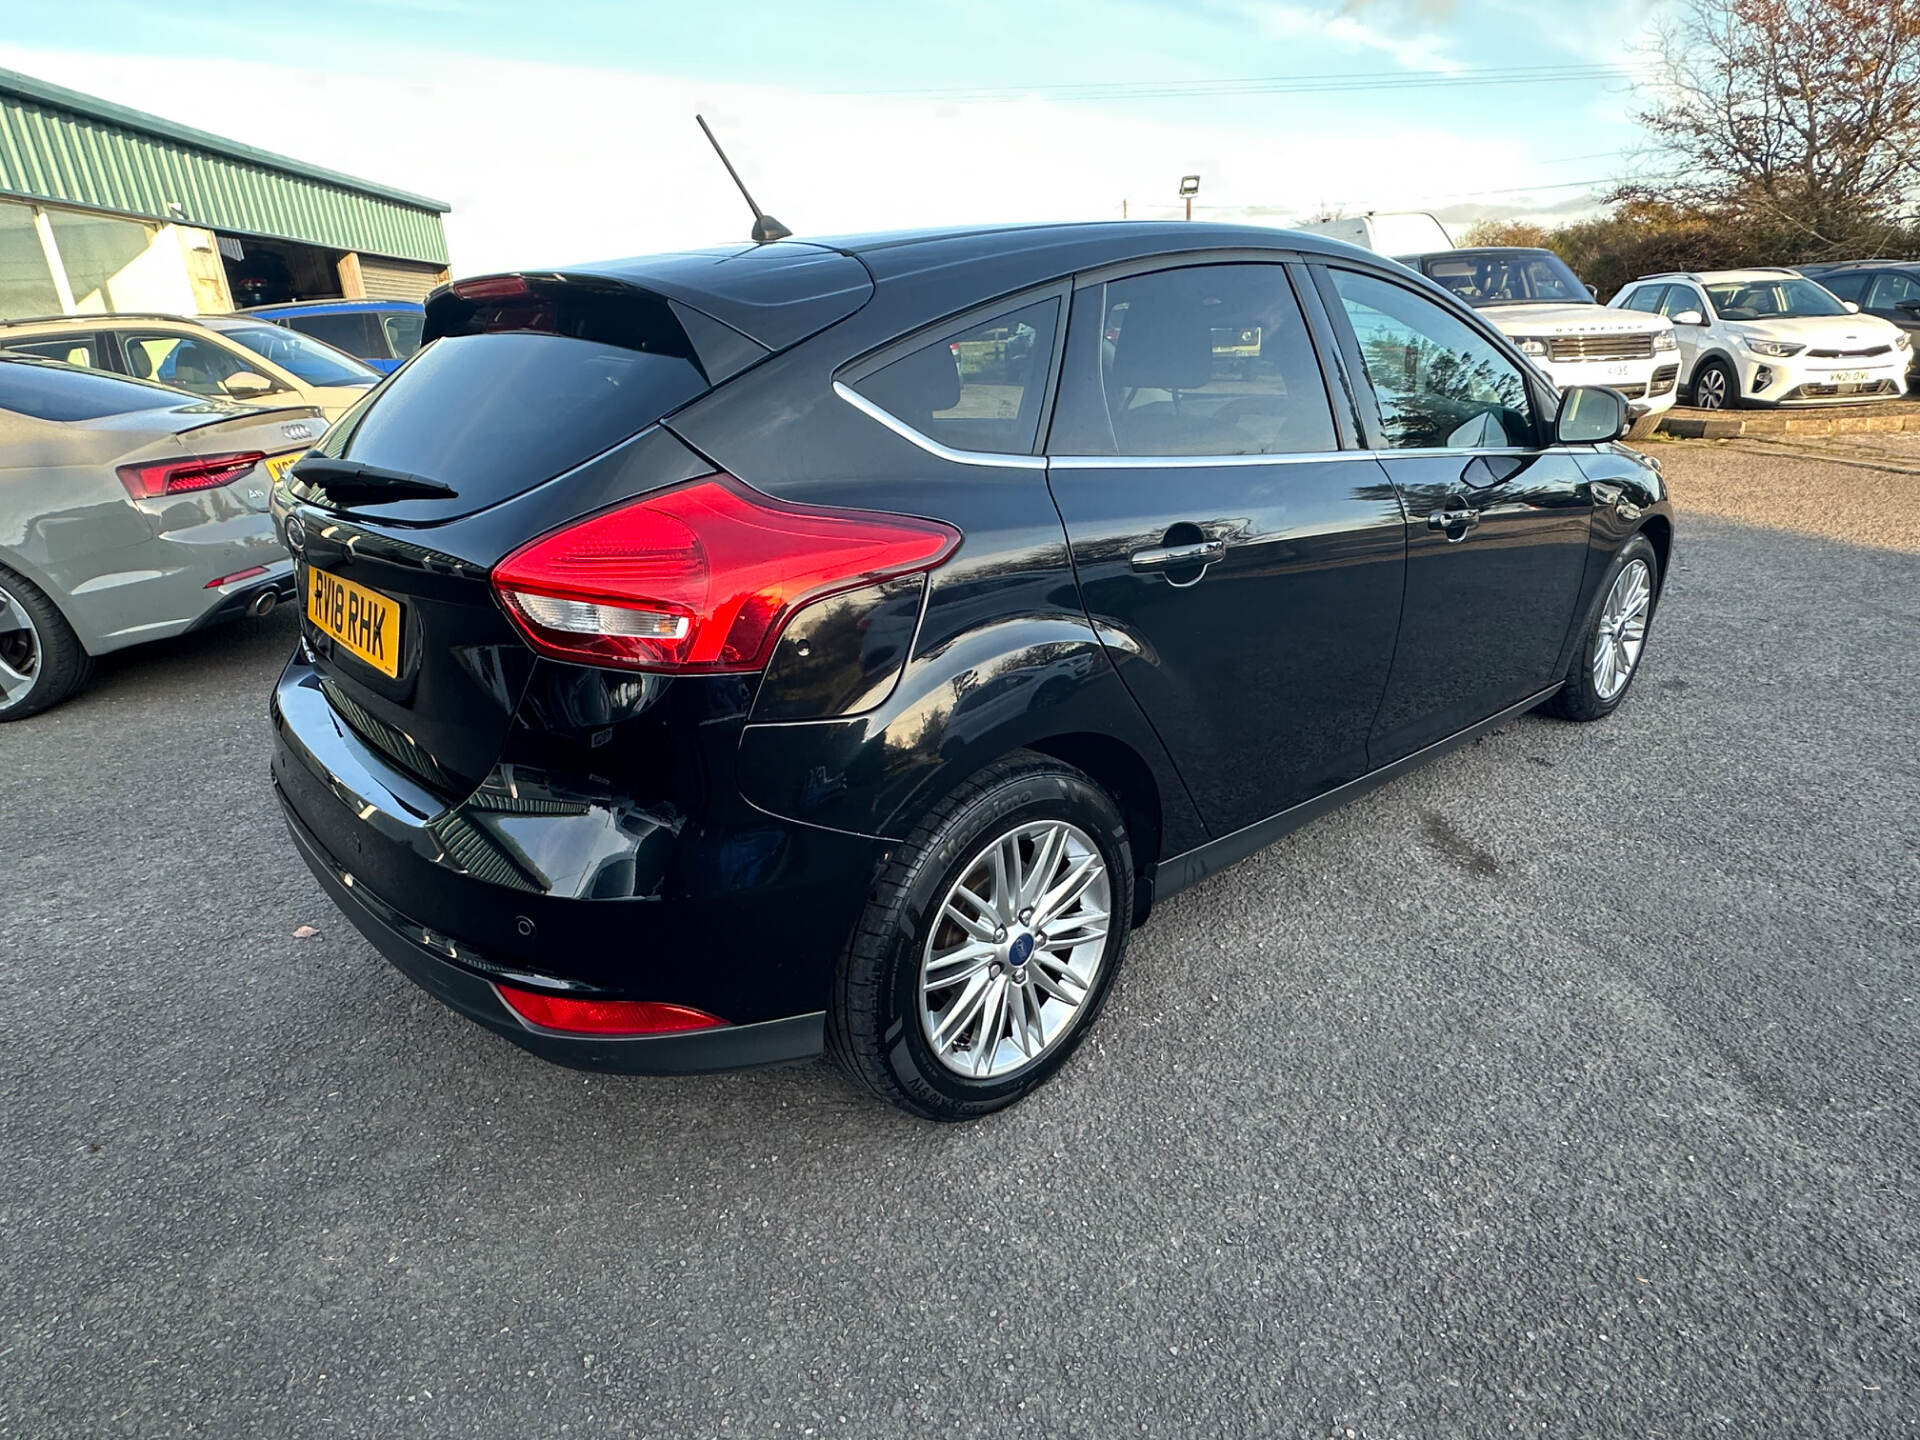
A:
1196,462
998,460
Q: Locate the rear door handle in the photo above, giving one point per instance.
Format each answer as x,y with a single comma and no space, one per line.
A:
1174,557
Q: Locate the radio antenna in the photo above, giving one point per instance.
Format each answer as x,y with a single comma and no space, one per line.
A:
765,227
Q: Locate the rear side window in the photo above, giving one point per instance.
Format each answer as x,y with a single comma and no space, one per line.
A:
47,392
495,414
981,389
68,349
355,333
403,332
1848,284
1203,360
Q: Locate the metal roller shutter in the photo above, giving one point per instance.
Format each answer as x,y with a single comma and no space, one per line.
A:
385,280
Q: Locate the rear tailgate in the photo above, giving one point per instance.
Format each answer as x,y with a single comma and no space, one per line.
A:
529,409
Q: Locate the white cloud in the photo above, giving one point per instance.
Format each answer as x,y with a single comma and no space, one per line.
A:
1404,42
549,164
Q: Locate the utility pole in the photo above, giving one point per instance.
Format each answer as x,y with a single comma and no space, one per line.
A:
1189,187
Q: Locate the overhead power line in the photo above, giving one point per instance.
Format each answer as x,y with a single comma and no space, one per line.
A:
1280,84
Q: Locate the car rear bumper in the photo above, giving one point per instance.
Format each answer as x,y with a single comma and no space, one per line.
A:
560,882
412,950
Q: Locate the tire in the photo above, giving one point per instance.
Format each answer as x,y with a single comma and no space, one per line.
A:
1714,386
42,661
1591,691
1643,426
882,1024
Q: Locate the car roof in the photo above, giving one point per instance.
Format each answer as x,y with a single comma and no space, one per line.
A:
781,292
1476,250
1827,267
98,322
326,307
1721,277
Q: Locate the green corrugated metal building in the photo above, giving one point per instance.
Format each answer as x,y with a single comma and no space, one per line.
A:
97,202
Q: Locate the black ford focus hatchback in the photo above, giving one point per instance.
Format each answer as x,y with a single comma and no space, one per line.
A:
713,658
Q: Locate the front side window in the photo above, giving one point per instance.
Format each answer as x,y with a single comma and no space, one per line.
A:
1772,300
312,362
1646,298
183,361
1439,384
1892,290
981,389
1203,360
1681,298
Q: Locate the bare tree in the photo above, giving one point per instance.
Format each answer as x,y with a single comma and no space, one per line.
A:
1796,118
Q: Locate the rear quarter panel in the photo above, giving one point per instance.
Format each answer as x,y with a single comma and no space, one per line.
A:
1005,655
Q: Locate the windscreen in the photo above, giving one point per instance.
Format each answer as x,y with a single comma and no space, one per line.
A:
1772,300
1528,277
309,360
59,392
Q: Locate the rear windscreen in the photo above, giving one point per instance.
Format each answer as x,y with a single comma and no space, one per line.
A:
493,415
54,392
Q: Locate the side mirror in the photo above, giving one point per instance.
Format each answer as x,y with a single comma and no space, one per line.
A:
1909,307
246,384
1593,291
1688,317
1590,415
1852,309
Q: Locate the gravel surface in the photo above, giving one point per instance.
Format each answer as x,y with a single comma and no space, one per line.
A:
1563,1088
1862,488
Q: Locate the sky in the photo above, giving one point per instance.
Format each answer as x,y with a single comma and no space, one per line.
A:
563,131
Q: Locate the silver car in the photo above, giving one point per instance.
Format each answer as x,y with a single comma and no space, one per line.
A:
128,512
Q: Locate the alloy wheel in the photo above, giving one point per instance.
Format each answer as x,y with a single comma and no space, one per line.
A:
19,651
1710,390
1623,629
1015,950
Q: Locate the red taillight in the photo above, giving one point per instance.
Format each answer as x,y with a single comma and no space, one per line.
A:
177,477
701,577
604,1017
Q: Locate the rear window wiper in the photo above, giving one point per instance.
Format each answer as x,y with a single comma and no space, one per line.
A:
350,481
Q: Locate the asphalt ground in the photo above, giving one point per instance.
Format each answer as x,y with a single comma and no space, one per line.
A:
1565,1088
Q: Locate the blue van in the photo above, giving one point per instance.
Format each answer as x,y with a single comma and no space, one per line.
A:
383,333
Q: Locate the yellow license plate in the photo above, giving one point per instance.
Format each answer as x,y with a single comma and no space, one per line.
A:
278,465
368,624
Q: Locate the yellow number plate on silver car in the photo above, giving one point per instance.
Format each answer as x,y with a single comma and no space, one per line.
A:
367,623
278,465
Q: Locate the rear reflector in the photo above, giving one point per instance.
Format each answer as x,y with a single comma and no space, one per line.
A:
701,578
177,477
604,1017
246,574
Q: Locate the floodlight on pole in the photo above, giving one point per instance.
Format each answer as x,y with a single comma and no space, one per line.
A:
1189,187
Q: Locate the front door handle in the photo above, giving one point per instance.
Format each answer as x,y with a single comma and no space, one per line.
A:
1455,522
1176,557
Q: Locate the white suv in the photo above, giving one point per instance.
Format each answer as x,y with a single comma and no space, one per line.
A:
1540,304
1771,337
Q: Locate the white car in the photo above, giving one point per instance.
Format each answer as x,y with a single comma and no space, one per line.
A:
1771,337
1541,305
